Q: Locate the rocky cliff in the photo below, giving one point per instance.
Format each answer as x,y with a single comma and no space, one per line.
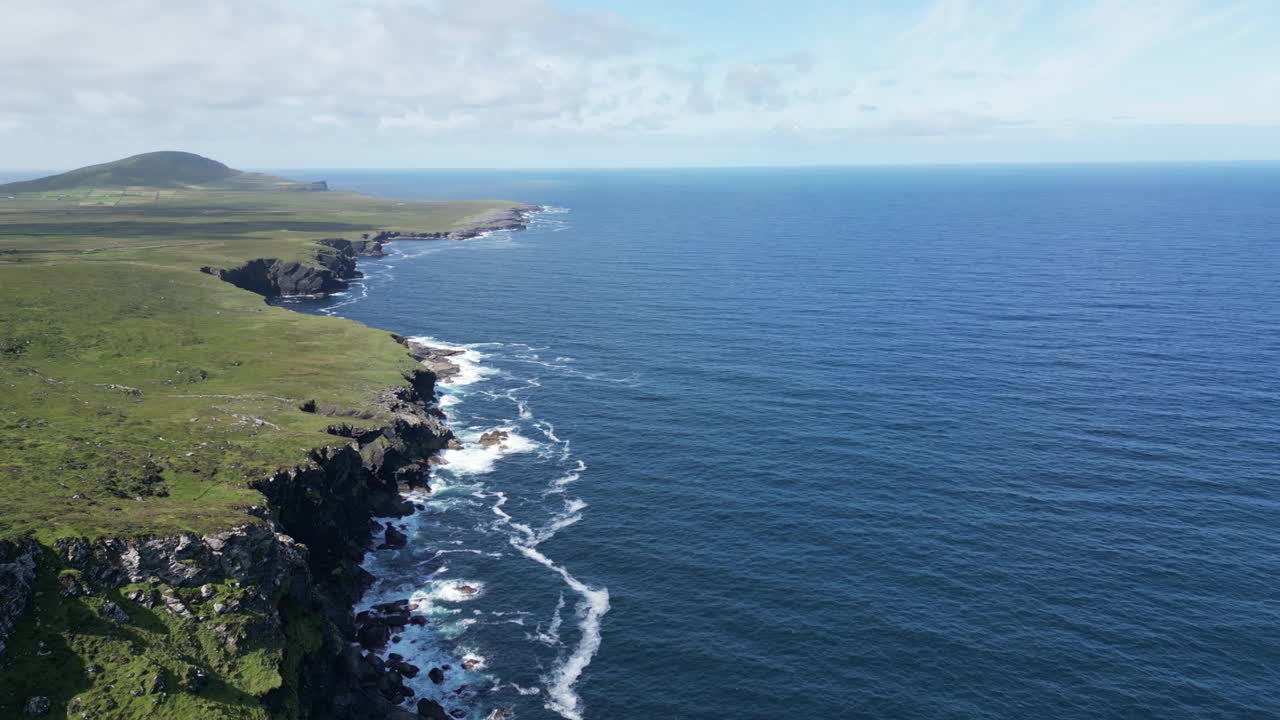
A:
17,573
335,260
253,620
272,595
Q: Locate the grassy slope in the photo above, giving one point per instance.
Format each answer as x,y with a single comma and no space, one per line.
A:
166,169
103,288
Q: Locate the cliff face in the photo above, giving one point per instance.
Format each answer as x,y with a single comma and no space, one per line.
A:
272,278
274,594
336,259
17,573
253,620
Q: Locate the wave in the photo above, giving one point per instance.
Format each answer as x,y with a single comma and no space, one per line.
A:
571,514
561,483
468,359
551,636
563,699
476,459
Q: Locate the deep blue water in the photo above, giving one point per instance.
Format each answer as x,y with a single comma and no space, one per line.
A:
872,443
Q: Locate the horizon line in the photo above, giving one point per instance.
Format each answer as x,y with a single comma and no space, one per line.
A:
945,164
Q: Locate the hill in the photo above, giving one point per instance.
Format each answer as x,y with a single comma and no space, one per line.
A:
164,169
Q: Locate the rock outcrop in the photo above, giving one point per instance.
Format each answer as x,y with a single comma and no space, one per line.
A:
291,571
275,278
17,573
335,261
297,560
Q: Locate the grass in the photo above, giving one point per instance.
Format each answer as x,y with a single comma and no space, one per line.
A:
94,299
165,169
142,397
82,661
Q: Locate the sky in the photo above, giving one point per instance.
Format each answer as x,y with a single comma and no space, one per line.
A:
638,83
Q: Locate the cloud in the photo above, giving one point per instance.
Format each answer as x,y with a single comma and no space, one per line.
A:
528,57
548,73
97,102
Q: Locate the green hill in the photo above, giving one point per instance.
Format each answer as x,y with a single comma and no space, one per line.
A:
165,169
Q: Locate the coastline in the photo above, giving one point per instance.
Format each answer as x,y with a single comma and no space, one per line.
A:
408,624
335,261
286,576
372,684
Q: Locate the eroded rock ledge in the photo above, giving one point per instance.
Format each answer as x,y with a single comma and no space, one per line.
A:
17,573
292,567
335,261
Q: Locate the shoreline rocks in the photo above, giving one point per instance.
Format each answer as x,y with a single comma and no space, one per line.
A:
298,559
335,261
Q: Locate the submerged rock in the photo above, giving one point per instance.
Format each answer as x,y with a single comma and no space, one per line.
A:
436,675
38,705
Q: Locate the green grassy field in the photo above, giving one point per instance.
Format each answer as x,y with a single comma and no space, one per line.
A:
139,395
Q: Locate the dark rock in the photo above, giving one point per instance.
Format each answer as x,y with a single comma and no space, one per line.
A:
114,612
431,710
17,577
367,673
350,661
69,585
391,687
436,675
393,538
458,712
408,670
418,620
397,619
145,598
197,679
38,705
373,637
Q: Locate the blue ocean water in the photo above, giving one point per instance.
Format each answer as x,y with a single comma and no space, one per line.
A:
851,443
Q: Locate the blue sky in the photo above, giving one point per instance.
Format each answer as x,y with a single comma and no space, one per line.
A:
539,83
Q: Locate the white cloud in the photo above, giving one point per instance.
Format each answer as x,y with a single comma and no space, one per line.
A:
527,70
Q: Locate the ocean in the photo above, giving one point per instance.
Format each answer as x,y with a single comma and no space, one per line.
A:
913,443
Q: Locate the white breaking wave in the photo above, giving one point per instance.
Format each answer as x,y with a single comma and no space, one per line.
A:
469,361
475,459
595,603
571,514
561,483
551,636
